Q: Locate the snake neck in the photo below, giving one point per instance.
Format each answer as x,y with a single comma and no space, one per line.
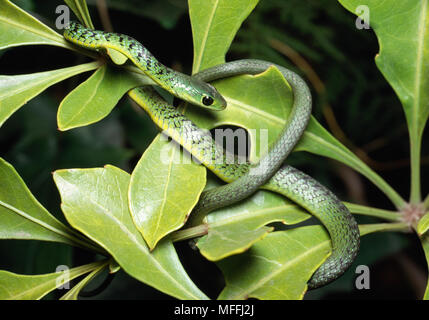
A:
177,83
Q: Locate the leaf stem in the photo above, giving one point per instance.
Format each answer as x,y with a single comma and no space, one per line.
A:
190,233
382,227
415,146
373,212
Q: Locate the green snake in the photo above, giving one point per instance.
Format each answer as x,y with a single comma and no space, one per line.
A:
243,178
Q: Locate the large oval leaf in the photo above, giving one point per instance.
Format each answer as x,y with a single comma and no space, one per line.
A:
212,20
165,186
236,228
277,267
23,217
18,28
15,91
94,201
95,98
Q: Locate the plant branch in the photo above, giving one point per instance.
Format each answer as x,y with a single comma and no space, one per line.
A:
415,146
104,15
373,212
382,227
190,233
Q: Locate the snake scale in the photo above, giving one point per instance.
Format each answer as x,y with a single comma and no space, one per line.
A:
243,178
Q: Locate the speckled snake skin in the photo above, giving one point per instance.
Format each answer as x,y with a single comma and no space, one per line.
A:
243,178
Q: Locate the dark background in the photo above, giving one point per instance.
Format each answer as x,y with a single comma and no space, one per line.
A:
334,56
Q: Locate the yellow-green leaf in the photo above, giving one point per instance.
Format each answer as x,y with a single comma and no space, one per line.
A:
214,25
17,28
165,186
94,201
117,57
95,98
260,104
15,91
277,267
80,9
423,224
23,217
33,287
234,229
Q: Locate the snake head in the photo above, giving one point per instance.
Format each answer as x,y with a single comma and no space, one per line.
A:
206,96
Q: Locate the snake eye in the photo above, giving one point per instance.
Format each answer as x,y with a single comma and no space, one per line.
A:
207,101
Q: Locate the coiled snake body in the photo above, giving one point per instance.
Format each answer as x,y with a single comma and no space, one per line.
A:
244,178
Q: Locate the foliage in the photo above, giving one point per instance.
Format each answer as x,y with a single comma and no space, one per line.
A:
133,219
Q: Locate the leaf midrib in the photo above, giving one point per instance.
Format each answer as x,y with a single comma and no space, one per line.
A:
418,76
203,44
89,99
35,31
164,198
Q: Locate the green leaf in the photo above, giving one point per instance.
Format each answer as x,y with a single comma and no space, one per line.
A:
212,20
404,62
73,293
15,91
95,98
117,57
259,103
165,186
80,9
17,28
25,287
236,228
277,267
94,201
425,243
264,101
23,217
423,224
